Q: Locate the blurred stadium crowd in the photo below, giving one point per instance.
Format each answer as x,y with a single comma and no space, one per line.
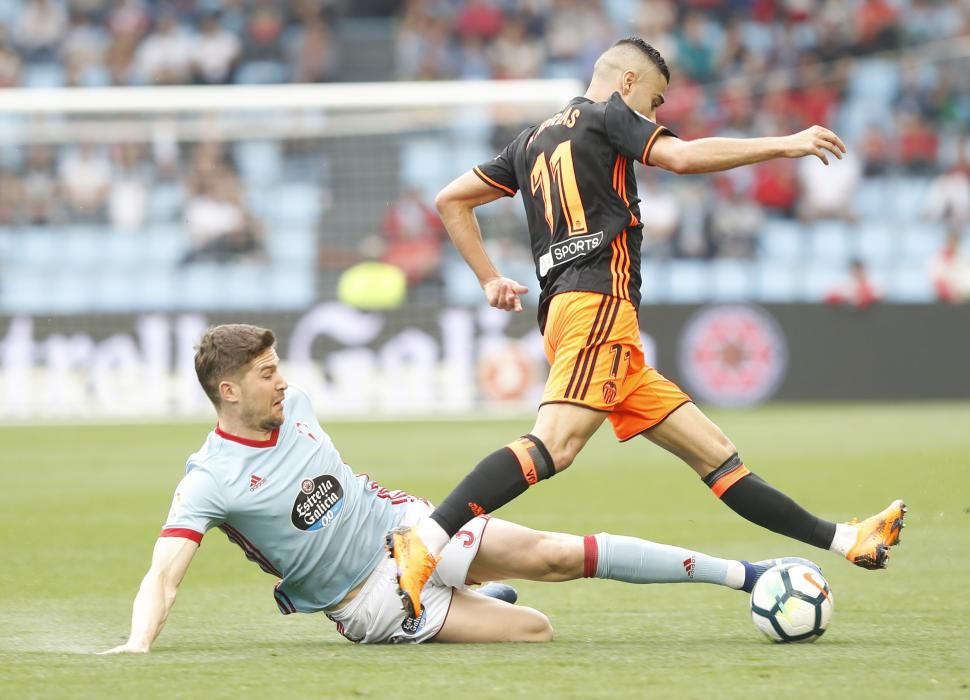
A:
891,221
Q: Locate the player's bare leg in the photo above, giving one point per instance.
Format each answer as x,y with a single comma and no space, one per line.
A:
561,431
565,429
477,618
690,435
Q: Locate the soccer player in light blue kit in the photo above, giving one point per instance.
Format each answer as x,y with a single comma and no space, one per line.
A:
271,479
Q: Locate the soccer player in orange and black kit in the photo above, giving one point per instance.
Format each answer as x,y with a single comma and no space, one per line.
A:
575,173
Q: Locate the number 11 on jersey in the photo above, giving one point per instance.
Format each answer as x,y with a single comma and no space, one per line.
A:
565,178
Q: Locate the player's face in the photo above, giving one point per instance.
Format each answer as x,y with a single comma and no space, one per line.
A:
644,91
261,392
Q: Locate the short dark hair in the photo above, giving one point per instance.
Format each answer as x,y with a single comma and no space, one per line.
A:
648,51
225,350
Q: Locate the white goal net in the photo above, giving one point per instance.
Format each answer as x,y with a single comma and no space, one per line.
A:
130,218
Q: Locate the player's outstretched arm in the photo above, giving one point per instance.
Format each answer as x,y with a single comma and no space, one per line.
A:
456,204
156,596
712,155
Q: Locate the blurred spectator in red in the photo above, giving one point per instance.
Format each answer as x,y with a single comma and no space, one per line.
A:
85,179
816,98
777,101
918,144
479,18
857,291
10,63
165,55
829,191
312,55
877,26
951,272
412,237
216,52
736,221
877,150
40,28
776,186
681,104
515,54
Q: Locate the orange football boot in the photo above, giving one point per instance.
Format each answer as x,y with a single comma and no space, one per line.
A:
876,535
414,566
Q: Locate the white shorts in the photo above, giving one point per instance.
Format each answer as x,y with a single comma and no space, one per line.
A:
376,614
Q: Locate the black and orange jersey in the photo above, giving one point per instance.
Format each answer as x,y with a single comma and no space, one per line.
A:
575,172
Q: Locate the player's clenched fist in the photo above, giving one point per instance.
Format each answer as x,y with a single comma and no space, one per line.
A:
815,141
503,293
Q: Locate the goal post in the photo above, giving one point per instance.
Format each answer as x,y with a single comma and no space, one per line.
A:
97,304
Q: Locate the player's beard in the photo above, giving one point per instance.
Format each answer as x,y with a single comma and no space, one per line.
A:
265,423
270,424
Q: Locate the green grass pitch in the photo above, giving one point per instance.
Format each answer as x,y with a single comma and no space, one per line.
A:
80,508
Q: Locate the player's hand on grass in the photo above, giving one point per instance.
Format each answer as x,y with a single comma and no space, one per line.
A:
503,293
815,141
126,648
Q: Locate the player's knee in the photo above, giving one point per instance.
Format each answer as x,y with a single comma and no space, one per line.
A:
533,626
565,452
561,557
727,448
720,450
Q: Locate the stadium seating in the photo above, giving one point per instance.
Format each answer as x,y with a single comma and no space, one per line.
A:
688,282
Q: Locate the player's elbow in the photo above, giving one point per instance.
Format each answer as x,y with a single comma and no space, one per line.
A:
447,201
673,155
442,201
679,164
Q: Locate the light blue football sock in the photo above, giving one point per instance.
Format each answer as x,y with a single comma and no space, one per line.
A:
641,561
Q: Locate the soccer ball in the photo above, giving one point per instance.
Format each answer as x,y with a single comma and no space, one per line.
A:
792,603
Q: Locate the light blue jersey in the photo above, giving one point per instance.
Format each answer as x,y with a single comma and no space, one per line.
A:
292,505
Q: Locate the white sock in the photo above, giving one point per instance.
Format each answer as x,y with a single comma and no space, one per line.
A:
845,537
432,535
734,577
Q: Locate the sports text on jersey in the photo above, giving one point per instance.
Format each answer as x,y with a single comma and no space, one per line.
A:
566,118
568,250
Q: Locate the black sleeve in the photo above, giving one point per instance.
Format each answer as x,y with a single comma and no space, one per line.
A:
499,172
631,133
